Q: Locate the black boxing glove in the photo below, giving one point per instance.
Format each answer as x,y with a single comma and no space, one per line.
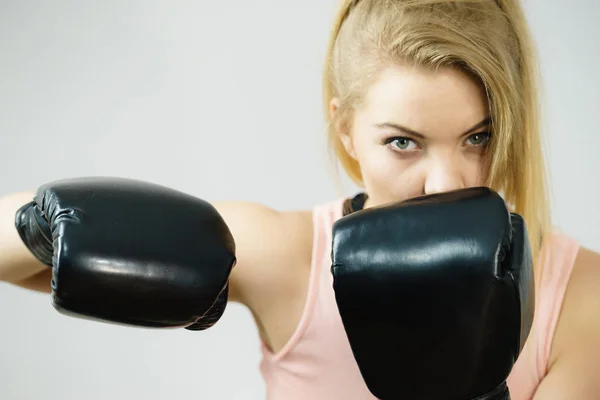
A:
436,294
130,252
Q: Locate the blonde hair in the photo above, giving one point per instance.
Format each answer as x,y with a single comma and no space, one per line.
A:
489,40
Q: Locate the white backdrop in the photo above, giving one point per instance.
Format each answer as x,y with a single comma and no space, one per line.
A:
220,99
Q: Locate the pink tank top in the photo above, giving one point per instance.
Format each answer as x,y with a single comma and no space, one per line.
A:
317,362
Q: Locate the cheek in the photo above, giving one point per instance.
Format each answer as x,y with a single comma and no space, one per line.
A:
388,178
472,171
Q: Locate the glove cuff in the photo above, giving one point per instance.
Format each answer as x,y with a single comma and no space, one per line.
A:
35,232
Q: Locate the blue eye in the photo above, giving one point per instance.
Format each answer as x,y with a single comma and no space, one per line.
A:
401,143
479,139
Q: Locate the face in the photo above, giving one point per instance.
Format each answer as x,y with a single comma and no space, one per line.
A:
419,132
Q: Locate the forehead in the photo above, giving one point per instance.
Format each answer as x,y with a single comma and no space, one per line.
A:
426,100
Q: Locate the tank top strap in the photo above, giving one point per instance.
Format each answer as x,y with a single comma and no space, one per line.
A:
555,265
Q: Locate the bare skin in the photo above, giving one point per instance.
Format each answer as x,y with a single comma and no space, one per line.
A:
446,114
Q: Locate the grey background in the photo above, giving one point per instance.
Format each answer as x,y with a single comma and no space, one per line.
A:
220,99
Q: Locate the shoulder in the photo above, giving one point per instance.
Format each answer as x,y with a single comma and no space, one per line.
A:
270,246
575,356
249,217
254,223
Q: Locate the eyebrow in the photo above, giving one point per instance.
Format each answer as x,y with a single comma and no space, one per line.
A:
401,128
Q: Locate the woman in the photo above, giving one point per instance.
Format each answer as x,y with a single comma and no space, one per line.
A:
421,97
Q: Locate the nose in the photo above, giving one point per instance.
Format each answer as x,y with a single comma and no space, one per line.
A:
443,176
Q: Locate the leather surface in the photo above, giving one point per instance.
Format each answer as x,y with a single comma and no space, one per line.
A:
131,252
435,294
